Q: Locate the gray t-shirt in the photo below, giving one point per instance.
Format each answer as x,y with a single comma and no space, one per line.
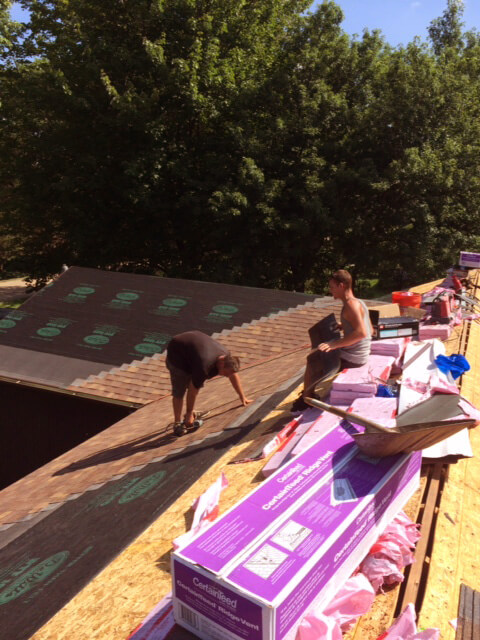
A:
357,353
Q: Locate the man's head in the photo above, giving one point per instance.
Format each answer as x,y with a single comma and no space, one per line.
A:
228,365
340,283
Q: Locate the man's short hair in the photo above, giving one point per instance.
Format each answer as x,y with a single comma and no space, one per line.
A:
342,276
232,363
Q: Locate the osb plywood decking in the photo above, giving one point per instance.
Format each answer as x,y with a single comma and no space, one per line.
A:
118,599
123,594
456,551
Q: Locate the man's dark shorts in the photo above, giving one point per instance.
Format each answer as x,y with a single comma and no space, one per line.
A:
327,363
180,380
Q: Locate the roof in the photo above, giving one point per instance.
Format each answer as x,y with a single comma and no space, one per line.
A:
259,341
135,447
274,351
88,320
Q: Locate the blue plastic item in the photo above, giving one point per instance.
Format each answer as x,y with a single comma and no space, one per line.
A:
386,391
455,364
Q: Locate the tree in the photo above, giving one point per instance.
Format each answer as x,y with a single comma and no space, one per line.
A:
446,32
125,121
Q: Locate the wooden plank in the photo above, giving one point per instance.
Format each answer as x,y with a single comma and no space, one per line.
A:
461,618
476,616
419,567
467,612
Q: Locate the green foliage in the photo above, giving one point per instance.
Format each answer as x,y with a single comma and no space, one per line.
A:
235,141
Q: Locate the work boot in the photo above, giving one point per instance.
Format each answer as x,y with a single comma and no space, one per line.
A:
299,404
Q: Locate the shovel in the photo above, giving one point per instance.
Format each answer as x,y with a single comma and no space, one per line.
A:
378,441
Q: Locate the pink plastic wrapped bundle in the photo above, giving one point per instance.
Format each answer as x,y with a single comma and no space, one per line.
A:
381,410
358,379
393,347
438,331
405,628
352,601
391,553
206,510
360,382
469,411
322,425
346,398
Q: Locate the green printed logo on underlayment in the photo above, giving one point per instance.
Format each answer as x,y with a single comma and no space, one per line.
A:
175,302
11,319
79,294
123,300
96,339
225,309
152,343
38,573
142,487
127,295
53,328
147,348
48,332
83,291
222,312
7,324
171,306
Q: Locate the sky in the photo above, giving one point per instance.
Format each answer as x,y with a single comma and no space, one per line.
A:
399,20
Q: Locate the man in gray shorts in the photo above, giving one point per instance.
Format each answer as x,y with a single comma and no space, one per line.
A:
192,358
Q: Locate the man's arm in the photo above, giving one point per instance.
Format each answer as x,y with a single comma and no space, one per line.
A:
237,385
353,312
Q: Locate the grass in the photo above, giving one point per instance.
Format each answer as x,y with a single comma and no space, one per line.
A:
11,304
372,288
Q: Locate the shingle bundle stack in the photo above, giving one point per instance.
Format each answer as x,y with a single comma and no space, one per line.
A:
381,410
394,347
361,382
438,331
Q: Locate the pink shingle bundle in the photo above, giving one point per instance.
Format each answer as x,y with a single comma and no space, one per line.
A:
438,331
393,347
361,382
381,410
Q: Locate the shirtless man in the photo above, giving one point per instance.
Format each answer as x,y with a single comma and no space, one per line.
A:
353,348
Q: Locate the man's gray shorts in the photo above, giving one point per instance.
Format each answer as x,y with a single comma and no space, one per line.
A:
180,380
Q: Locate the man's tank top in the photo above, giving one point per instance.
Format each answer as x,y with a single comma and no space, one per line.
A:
356,353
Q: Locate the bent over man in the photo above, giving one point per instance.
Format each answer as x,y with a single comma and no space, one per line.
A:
192,358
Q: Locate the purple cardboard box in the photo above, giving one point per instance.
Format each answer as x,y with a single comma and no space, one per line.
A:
469,259
291,543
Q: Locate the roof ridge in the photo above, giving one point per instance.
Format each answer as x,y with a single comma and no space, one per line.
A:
78,382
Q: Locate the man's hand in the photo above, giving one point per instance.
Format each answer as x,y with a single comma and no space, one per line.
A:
237,385
325,346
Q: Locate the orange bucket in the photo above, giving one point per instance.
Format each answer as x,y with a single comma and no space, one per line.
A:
407,299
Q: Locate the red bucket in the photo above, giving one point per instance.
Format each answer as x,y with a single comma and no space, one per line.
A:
407,299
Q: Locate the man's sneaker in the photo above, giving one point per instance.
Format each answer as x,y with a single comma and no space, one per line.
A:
179,428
